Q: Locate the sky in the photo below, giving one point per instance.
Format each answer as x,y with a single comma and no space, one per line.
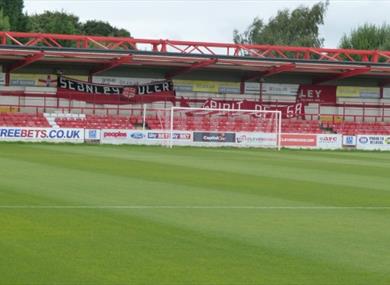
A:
211,20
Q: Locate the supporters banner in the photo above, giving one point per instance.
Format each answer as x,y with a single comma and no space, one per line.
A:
115,94
288,111
317,94
41,134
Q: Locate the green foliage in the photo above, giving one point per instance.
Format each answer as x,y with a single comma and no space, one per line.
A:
54,22
299,27
4,22
367,37
100,28
13,9
58,22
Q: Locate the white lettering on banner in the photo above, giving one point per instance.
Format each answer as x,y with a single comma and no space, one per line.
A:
293,110
63,83
165,86
41,134
227,105
311,94
93,88
289,111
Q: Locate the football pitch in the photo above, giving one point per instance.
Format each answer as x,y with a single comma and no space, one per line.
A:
90,214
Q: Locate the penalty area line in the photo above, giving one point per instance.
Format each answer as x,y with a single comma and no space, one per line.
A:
194,207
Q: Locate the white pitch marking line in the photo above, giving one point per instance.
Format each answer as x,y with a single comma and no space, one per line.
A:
194,207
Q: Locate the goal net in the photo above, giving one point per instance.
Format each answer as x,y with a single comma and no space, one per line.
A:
223,127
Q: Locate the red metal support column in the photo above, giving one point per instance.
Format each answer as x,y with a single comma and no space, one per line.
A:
318,112
271,71
194,66
344,111
7,78
383,112
261,81
26,61
364,111
112,64
242,87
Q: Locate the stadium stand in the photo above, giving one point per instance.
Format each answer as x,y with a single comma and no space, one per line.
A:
23,120
234,124
33,98
355,128
155,122
94,121
301,126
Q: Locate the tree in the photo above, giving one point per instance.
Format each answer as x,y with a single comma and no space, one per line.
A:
4,22
13,9
54,22
367,37
299,27
100,28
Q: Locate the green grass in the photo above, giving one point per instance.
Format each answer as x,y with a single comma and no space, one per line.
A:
231,217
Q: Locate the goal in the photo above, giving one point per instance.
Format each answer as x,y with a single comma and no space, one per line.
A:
225,127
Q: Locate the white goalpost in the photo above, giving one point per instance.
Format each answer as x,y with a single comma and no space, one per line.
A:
226,127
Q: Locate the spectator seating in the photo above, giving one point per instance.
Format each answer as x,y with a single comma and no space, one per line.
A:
190,123
23,120
301,126
233,124
355,128
96,122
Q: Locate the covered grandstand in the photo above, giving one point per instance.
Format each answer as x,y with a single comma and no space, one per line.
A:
97,83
